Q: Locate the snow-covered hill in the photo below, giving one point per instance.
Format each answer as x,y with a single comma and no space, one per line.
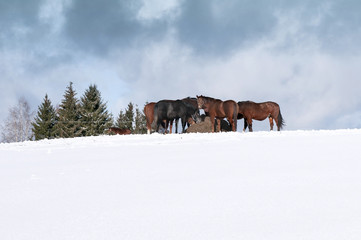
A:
261,185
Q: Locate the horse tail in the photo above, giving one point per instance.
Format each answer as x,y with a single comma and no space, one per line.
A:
149,125
155,117
281,121
235,115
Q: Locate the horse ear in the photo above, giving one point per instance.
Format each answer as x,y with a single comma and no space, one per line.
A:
197,96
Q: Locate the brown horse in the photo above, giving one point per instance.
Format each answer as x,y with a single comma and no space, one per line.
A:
260,111
149,116
219,109
120,131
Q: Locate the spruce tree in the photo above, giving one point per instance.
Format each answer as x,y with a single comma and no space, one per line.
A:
140,122
94,115
69,117
121,123
129,117
45,120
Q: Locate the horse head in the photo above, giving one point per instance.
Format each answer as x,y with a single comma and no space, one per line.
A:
196,117
201,102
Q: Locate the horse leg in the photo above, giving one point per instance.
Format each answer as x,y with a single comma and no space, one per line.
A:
245,125
212,123
184,122
176,125
166,124
231,122
276,120
249,122
158,125
271,122
218,124
149,126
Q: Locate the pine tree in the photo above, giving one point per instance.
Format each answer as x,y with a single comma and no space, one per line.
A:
140,122
69,117
94,115
121,123
129,117
44,125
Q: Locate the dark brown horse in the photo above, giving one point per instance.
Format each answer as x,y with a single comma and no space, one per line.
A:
219,109
120,131
260,111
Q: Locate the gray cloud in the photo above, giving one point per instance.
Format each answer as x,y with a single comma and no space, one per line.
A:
99,28
18,12
211,27
214,27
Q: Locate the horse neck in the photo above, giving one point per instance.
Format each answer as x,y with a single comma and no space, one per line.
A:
191,101
242,105
210,104
216,101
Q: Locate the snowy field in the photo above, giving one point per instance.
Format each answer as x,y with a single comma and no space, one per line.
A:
261,185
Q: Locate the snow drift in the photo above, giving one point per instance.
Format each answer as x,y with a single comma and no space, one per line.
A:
261,185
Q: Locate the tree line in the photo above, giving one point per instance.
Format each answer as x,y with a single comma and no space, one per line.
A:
73,117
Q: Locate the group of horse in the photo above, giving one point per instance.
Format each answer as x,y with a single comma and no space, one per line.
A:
164,112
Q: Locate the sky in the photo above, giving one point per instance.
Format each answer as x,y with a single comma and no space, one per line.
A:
302,54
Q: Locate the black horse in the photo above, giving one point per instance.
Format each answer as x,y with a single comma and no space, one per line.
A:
169,110
192,108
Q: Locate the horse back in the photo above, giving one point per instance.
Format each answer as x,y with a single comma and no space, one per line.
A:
230,108
269,105
169,109
222,109
258,111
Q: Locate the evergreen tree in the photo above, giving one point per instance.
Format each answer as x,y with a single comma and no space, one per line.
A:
121,123
129,117
140,122
69,117
125,120
45,120
94,115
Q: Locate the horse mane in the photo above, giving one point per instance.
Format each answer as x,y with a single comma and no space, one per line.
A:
192,102
245,102
209,98
189,98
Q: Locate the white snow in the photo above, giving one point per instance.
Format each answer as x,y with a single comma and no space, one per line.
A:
262,185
